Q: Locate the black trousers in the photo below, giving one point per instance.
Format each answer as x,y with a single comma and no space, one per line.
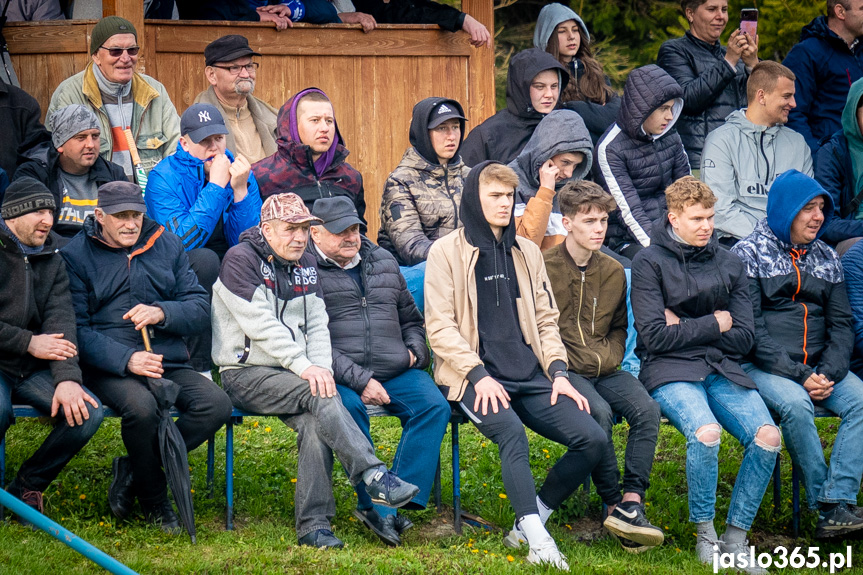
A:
205,263
620,392
563,423
204,406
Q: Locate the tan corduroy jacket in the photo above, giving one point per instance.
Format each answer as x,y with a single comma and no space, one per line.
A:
451,309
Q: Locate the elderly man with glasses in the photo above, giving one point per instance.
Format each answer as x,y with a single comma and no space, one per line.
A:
231,73
126,102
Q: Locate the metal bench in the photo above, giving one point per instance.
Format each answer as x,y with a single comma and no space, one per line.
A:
237,416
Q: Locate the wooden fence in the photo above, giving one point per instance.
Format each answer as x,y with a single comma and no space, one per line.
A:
372,79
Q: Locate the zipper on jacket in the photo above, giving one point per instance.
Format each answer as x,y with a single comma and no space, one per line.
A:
28,281
578,315
766,161
449,194
593,319
367,323
796,255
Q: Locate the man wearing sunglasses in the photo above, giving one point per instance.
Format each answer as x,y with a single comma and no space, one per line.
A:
231,73
122,98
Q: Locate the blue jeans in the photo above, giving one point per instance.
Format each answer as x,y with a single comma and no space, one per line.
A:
415,276
424,414
62,444
841,481
630,362
689,406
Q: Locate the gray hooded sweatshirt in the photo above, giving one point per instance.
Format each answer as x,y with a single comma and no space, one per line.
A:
740,161
559,132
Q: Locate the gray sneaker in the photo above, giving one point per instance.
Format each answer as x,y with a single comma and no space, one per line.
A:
738,549
515,537
705,548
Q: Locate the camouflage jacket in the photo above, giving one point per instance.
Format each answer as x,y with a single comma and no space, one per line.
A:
420,204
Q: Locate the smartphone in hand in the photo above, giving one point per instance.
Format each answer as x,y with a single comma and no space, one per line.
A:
749,21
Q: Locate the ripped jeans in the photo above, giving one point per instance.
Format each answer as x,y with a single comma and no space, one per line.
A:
698,409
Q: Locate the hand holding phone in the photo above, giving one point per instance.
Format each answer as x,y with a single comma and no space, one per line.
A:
749,21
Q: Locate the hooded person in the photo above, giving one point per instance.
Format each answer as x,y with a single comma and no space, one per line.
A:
310,160
562,33
559,152
533,86
839,169
640,155
422,195
804,338
492,325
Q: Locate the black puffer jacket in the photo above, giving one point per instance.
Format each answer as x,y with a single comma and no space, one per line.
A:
502,137
693,282
43,164
20,125
711,88
107,282
636,167
372,333
34,299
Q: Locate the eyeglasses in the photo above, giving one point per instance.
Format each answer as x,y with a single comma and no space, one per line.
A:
235,70
117,52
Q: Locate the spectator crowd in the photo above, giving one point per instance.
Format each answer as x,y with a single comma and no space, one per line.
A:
686,249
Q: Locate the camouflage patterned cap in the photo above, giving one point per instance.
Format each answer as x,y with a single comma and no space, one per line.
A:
288,207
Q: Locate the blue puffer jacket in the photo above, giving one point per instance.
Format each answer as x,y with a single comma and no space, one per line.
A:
825,68
636,167
803,320
180,198
107,282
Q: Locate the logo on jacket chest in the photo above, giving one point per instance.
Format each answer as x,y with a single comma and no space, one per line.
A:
305,277
267,275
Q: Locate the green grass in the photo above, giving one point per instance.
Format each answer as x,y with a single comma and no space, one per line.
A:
264,540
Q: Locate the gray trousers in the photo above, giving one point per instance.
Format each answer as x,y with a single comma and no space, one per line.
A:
323,426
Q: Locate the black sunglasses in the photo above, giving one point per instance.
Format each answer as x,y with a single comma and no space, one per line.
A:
117,52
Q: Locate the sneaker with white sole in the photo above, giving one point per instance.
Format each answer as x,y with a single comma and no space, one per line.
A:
631,524
706,548
738,550
546,553
515,537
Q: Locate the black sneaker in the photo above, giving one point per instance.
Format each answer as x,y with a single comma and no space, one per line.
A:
33,499
836,522
322,539
387,489
631,524
121,496
402,524
162,514
380,526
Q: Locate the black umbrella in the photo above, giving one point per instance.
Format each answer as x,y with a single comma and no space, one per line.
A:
172,446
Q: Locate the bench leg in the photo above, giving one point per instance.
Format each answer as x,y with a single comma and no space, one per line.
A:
436,487
229,474
795,499
456,481
2,473
211,463
777,487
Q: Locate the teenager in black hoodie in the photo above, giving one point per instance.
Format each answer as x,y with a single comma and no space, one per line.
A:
492,324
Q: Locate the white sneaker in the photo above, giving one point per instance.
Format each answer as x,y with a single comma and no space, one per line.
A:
515,537
546,553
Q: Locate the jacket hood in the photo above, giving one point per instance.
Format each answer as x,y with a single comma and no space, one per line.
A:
851,129
477,229
419,133
789,193
818,28
288,131
647,88
560,131
550,17
738,118
661,235
523,68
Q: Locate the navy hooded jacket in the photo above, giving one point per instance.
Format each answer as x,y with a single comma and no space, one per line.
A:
803,320
825,68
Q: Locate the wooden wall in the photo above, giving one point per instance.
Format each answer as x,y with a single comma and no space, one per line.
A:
373,79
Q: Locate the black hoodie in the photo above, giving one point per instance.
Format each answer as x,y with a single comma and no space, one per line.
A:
502,137
502,347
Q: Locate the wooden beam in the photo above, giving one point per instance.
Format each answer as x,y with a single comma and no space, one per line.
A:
481,77
133,11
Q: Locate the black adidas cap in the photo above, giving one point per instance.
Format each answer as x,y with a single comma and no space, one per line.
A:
443,112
